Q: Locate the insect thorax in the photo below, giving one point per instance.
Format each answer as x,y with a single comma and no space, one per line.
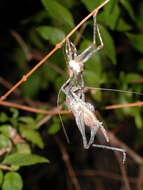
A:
75,67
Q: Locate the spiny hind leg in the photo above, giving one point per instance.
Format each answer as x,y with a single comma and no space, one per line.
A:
100,126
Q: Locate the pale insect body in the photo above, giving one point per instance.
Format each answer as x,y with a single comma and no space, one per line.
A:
73,88
84,114
82,111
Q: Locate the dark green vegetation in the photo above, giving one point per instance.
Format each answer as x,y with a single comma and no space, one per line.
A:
27,35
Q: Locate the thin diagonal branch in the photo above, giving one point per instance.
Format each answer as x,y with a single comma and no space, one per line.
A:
59,45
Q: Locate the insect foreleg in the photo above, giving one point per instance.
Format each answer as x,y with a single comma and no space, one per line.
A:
67,86
70,49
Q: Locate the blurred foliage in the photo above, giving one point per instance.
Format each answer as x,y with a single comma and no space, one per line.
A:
118,65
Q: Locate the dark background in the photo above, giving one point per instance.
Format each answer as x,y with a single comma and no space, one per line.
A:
94,169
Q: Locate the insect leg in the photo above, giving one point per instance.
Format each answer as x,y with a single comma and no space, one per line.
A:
81,84
103,131
92,135
81,127
67,86
94,28
71,50
86,54
112,148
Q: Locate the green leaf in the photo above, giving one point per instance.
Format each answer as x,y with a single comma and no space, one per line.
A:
129,8
111,14
29,121
35,39
3,117
140,64
139,19
58,12
53,34
55,127
4,129
136,113
122,26
68,3
23,148
32,136
22,159
1,177
90,4
12,181
15,113
31,87
20,59
139,137
138,120
136,41
4,141
130,77
94,64
109,47
93,78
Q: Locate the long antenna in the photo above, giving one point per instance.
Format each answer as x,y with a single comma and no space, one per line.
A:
113,90
58,98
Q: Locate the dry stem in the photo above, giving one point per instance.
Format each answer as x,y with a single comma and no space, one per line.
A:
30,109
59,45
117,106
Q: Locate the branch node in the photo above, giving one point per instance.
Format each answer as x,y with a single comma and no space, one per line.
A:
24,78
58,46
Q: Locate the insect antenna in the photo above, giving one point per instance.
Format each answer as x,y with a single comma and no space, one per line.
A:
113,90
60,117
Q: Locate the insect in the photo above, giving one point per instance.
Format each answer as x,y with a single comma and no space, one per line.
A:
73,88
84,114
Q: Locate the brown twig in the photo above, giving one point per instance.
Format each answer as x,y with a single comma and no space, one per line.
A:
137,81
140,179
67,161
30,109
117,106
59,45
123,172
4,167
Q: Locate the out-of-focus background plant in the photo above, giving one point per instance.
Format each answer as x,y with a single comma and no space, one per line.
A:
28,31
